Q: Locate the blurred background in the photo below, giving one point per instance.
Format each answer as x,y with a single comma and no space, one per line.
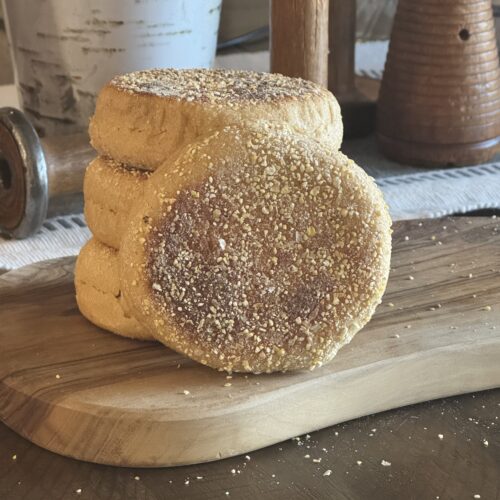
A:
374,22
242,16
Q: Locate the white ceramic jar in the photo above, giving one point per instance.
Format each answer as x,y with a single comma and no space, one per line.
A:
64,51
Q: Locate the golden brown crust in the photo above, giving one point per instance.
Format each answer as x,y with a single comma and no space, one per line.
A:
110,188
258,250
106,225
98,291
146,118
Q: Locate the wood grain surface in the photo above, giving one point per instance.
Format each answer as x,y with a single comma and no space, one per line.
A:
77,390
423,465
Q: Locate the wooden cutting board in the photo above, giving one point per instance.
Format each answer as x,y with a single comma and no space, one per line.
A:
79,391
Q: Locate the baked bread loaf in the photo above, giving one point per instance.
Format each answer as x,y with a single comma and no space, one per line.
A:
98,291
110,188
145,118
257,250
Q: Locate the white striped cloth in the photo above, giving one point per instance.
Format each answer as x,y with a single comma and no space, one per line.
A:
59,237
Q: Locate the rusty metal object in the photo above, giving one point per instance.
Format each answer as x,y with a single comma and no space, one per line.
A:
39,178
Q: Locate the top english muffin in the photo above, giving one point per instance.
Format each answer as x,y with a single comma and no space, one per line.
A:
145,118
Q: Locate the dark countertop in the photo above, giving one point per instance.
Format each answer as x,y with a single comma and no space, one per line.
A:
444,449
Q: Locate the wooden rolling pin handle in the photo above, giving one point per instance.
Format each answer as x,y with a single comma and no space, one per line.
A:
299,39
38,177
66,158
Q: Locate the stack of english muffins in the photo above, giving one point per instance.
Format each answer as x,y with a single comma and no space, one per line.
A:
225,222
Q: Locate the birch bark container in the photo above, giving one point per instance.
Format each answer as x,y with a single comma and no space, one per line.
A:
65,51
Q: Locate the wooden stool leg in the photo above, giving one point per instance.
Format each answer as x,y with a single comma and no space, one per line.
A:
342,31
299,39
358,111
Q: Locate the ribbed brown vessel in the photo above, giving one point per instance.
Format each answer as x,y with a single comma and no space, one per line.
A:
440,96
